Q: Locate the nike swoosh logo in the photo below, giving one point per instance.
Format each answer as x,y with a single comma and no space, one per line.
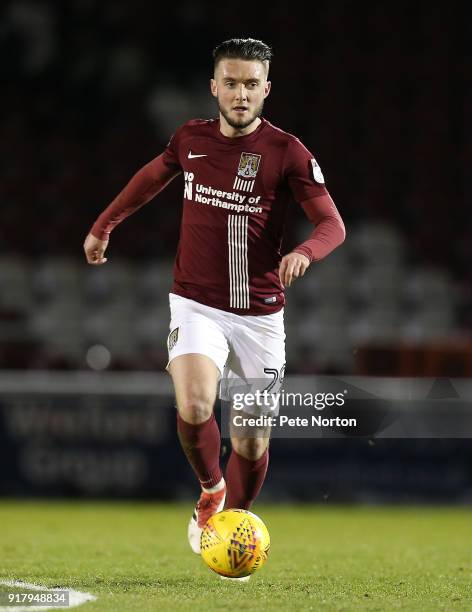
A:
192,156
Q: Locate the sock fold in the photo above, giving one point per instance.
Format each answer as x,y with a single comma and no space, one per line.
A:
244,479
201,445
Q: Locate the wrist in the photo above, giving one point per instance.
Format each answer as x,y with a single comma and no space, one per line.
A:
303,250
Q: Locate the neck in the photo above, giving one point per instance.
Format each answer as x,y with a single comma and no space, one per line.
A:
227,130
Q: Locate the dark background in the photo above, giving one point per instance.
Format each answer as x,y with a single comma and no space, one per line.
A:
381,94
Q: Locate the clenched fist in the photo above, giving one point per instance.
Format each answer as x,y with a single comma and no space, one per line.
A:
94,250
293,265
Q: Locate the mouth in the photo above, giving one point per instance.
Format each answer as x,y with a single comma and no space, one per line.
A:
240,109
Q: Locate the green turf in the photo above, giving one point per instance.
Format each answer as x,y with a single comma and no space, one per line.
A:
135,557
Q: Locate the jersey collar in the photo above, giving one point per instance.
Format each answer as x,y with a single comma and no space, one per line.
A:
241,139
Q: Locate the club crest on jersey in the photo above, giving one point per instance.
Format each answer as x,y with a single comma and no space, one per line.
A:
249,165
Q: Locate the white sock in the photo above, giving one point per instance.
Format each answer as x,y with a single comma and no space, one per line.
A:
216,488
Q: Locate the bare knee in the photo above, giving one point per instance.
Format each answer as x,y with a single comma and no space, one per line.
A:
250,448
195,409
195,379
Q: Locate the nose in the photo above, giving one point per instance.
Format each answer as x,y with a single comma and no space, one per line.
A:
242,93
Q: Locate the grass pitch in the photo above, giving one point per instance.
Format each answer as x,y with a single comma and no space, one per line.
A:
136,557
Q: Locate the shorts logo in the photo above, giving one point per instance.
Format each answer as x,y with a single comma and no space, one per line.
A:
270,300
172,339
249,165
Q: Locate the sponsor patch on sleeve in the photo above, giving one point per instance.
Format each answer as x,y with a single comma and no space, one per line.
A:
317,174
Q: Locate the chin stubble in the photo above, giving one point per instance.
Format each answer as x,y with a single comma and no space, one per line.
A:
240,125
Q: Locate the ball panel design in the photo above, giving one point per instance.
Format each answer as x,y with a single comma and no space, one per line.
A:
235,543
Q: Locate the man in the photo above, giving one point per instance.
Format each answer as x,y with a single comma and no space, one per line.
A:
227,299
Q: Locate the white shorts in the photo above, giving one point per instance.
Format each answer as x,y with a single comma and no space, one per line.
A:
248,350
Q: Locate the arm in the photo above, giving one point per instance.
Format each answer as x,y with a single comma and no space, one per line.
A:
329,233
144,185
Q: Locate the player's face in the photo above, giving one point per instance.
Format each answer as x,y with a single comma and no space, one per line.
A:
240,87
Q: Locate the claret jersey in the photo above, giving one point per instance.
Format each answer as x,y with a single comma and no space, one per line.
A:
236,196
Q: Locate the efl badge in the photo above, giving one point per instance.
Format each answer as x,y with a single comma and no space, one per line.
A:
172,339
249,165
317,174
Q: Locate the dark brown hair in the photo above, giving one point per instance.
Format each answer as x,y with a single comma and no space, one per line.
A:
243,48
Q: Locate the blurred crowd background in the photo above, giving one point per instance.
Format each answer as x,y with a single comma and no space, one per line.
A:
90,91
379,92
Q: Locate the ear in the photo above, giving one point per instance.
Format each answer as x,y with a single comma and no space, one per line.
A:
213,88
267,87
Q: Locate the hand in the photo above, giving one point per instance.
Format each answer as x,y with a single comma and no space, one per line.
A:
293,265
94,250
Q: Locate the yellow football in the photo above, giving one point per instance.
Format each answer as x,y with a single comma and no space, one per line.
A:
235,543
